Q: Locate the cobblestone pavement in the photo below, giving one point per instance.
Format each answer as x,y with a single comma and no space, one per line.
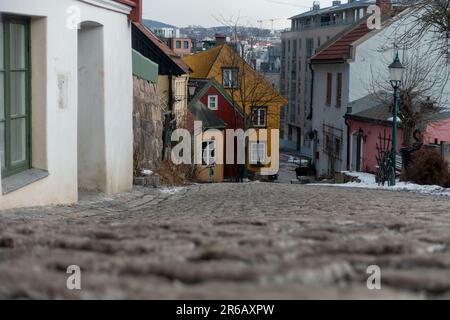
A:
251,240
287,170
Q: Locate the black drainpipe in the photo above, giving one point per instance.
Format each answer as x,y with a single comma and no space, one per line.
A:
167,130
171,99
311,93
348,142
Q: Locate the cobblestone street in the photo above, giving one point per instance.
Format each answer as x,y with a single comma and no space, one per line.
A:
251,240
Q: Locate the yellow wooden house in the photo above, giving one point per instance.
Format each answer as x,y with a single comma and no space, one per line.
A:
249,90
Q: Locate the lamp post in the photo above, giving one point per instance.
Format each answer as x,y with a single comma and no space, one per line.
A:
396,70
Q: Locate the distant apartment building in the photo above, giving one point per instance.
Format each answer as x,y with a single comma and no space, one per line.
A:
181,46
274,58
308,32
165,32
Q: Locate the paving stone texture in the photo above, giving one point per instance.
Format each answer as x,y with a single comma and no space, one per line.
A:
231,241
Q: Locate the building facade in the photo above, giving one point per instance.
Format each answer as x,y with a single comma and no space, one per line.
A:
260,100
173,76
308,32
349,73
214,97
65,101
181,46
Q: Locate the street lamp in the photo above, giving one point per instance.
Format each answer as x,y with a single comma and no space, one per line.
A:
396,70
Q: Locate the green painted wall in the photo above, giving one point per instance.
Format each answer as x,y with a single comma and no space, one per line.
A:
144,68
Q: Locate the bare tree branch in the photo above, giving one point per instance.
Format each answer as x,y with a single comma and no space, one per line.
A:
420,92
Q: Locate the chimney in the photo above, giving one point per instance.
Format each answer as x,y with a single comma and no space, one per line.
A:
385,6
136,13
316,5
336,3
220,39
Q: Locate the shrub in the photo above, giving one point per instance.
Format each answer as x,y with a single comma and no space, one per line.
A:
428,167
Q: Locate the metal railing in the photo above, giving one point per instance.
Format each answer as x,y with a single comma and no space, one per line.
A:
326,24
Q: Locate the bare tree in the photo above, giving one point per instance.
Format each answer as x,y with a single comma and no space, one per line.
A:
429,17
420,93
250,90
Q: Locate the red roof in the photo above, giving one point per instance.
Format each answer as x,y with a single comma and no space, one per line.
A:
130,3
162,46
339,48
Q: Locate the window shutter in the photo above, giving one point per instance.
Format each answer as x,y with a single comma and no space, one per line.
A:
329,88
339,90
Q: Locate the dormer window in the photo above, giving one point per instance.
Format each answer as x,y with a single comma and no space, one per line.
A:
230,78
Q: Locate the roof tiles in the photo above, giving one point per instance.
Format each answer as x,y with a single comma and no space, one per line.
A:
339,50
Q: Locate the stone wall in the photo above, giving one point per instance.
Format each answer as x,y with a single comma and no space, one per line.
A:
147,126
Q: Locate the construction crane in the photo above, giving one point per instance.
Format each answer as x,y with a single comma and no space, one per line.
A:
282,3
288,4
271,20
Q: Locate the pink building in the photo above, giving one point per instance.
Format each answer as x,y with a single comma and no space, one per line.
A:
365,128
438,129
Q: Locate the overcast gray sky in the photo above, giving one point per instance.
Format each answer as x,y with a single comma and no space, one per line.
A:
201,12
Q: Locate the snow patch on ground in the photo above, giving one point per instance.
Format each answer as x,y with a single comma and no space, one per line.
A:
296,160
367,181
147,172
172,190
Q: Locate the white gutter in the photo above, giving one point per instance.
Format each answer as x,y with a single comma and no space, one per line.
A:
109,5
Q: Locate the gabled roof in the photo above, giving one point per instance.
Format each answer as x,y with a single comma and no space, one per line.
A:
379,111
338,49
202,62
444,114
203,85
178,65
208,117
206,64
374,110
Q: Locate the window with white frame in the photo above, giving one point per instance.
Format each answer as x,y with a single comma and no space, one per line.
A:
259,116
230,78
361,12
258,152
209,152
213,102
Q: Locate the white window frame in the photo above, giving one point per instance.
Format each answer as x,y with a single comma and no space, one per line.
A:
230,82
207,159
213,105
261,117
258,152
362,12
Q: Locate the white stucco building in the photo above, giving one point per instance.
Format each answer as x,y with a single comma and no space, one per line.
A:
346,69
65,100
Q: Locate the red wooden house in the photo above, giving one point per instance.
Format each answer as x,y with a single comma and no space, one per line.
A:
211,94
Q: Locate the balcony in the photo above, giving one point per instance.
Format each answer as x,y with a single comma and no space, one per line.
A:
319,25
